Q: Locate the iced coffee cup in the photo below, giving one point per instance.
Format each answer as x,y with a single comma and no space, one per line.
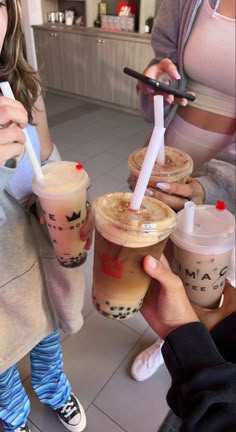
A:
202,256
177,167
62,194
123,238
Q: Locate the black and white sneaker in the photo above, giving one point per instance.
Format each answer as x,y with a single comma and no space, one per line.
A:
72,415
24,428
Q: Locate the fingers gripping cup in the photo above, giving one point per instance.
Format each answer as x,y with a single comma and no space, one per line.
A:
177,167
62,193
202,256
123,238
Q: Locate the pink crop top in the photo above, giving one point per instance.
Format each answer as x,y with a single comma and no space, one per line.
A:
209,62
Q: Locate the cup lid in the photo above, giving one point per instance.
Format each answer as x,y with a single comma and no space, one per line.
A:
178,164
61,178
213,230
153,222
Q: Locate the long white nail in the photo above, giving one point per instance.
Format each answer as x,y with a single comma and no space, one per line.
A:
163,186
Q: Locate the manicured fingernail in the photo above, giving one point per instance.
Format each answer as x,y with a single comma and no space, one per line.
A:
163,186
177,75
152,262
149,192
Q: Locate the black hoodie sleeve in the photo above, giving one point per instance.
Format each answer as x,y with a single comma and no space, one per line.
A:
203,389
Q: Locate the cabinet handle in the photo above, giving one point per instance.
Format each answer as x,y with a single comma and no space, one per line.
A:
53,34
101,41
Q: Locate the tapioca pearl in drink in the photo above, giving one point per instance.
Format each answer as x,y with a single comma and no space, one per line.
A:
115,310
62,194
73,261
122,239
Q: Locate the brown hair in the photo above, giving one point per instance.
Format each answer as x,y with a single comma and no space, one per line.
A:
25,82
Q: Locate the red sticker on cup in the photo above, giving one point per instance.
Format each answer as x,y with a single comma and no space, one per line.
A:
112,267
79,165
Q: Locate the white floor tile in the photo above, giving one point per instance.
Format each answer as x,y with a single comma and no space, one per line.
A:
93,355
135,406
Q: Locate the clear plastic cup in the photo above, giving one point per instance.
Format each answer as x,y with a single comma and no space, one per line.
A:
62,194
178,166
123,238
202,257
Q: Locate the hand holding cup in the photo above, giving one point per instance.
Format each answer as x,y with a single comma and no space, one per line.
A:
166,305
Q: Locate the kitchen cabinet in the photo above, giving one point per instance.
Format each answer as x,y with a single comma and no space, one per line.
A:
106,62
89,63
74,77
49,57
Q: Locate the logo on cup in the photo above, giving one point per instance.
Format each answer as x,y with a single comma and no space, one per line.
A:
112,267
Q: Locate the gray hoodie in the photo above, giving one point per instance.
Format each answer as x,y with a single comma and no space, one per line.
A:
170,32
37,295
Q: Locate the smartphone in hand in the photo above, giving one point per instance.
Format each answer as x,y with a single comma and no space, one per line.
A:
159,85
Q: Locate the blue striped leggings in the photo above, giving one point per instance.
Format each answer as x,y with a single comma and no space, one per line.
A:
48,381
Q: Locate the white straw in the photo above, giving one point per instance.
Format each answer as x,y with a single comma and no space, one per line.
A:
159,122
7,91
188,217
147,166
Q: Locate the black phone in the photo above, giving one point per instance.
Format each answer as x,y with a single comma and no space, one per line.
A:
158,85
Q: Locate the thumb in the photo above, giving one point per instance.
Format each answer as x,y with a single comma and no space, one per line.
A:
167,279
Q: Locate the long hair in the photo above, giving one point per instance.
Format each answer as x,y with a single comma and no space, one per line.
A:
25,82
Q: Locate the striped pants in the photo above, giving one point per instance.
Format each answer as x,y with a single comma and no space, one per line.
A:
48,381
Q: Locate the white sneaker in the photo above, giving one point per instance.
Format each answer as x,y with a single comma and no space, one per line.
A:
24,428
147,362
72,415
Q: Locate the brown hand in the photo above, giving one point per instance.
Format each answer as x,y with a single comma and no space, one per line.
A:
166,306
211,317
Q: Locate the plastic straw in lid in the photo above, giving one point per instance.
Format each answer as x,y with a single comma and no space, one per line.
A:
147,167
7,91
159,122
188,217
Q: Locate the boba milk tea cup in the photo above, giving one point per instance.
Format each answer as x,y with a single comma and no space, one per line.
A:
62,194
123,237
177,167
203,253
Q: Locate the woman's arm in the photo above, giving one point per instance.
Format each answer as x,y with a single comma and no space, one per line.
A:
40,119
203,386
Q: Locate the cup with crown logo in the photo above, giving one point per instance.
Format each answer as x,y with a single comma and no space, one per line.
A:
63,194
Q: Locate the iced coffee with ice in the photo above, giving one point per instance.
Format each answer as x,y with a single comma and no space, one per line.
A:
123,238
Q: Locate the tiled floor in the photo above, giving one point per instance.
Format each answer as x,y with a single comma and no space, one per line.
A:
98,358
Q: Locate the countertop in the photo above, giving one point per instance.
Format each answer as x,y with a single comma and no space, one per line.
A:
94,31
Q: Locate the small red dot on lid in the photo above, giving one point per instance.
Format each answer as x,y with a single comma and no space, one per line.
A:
79,165
220,205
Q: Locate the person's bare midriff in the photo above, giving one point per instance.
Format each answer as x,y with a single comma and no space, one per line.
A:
207,120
